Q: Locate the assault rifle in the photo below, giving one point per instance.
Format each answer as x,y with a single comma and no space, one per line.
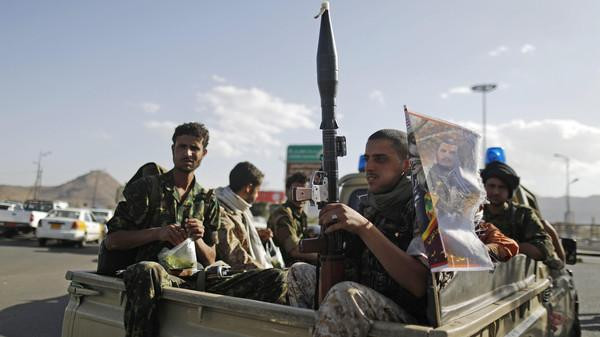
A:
324,189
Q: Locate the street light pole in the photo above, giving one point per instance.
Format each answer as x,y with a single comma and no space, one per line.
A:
568,214
484,89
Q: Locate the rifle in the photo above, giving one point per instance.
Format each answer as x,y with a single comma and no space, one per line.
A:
324,189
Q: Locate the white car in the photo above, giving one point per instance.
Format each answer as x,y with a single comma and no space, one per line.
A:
102,215
70,224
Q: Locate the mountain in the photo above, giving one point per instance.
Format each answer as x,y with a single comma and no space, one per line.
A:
585,208
78,192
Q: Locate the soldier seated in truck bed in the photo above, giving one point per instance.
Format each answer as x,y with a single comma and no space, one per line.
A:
162,211
516,221
289,225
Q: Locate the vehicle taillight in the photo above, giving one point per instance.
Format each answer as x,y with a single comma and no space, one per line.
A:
31,218
78,225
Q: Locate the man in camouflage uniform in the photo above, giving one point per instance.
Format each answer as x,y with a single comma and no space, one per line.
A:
386,283
240,243
288,223
518,222
162,211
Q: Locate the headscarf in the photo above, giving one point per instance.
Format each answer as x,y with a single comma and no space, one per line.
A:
503,172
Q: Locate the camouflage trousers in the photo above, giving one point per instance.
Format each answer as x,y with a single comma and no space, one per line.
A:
301,284
144,282
350,308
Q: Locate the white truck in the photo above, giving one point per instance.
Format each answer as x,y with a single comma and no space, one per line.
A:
518,298
16,218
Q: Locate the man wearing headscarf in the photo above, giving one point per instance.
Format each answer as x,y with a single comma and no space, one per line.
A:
518,222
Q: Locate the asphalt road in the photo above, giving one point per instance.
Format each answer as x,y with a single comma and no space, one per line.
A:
587,282
33,288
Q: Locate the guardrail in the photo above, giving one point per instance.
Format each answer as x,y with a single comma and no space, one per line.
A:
587,236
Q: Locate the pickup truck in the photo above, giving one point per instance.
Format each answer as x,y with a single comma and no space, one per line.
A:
521,297
17,218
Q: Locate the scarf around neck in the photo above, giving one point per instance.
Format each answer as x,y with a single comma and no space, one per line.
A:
234,202
391,204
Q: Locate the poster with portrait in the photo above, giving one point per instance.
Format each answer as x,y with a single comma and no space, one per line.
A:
444,159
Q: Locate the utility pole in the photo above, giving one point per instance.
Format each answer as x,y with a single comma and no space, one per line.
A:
95,188
38,177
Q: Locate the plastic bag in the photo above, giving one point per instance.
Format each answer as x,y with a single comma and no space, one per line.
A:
180,257
274,254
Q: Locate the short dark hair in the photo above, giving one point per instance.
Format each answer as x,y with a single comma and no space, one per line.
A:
447,140
244,174
192,129
297,177
396,137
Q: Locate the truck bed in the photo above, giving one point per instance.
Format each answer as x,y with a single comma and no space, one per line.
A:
507,301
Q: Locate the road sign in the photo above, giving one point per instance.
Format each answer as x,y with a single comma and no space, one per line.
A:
304,153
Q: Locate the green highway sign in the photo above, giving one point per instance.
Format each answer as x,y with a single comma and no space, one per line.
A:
304,153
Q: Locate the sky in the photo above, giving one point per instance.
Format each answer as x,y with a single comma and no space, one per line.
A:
102,84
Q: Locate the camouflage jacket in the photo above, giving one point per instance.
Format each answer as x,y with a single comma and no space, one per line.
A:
288,224
520,223
153,201
233,241
363,266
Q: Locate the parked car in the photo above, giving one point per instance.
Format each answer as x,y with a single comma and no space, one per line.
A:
70,224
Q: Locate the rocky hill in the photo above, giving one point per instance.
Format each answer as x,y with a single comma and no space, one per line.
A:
82,191
584,208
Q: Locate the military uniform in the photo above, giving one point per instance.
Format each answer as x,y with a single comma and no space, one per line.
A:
520,223
153,201
350,307
288,224
233,244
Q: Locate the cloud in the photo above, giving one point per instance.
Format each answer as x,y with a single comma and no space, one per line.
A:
150,107
243,120
530,147
527,48
102,135
377,96
218,79
498,51
165,128
456,91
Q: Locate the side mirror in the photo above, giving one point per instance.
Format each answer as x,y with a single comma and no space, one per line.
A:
570,246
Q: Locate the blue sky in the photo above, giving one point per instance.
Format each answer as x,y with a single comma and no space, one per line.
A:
101,84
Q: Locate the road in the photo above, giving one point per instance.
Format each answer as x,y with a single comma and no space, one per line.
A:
33,292
33,286
587,276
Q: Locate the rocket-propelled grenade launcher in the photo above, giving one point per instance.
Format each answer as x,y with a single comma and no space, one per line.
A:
324,189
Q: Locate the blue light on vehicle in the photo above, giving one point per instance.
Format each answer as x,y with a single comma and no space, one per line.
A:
495,154
361,163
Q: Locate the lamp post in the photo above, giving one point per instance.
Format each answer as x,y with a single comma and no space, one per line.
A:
568,214
484,89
